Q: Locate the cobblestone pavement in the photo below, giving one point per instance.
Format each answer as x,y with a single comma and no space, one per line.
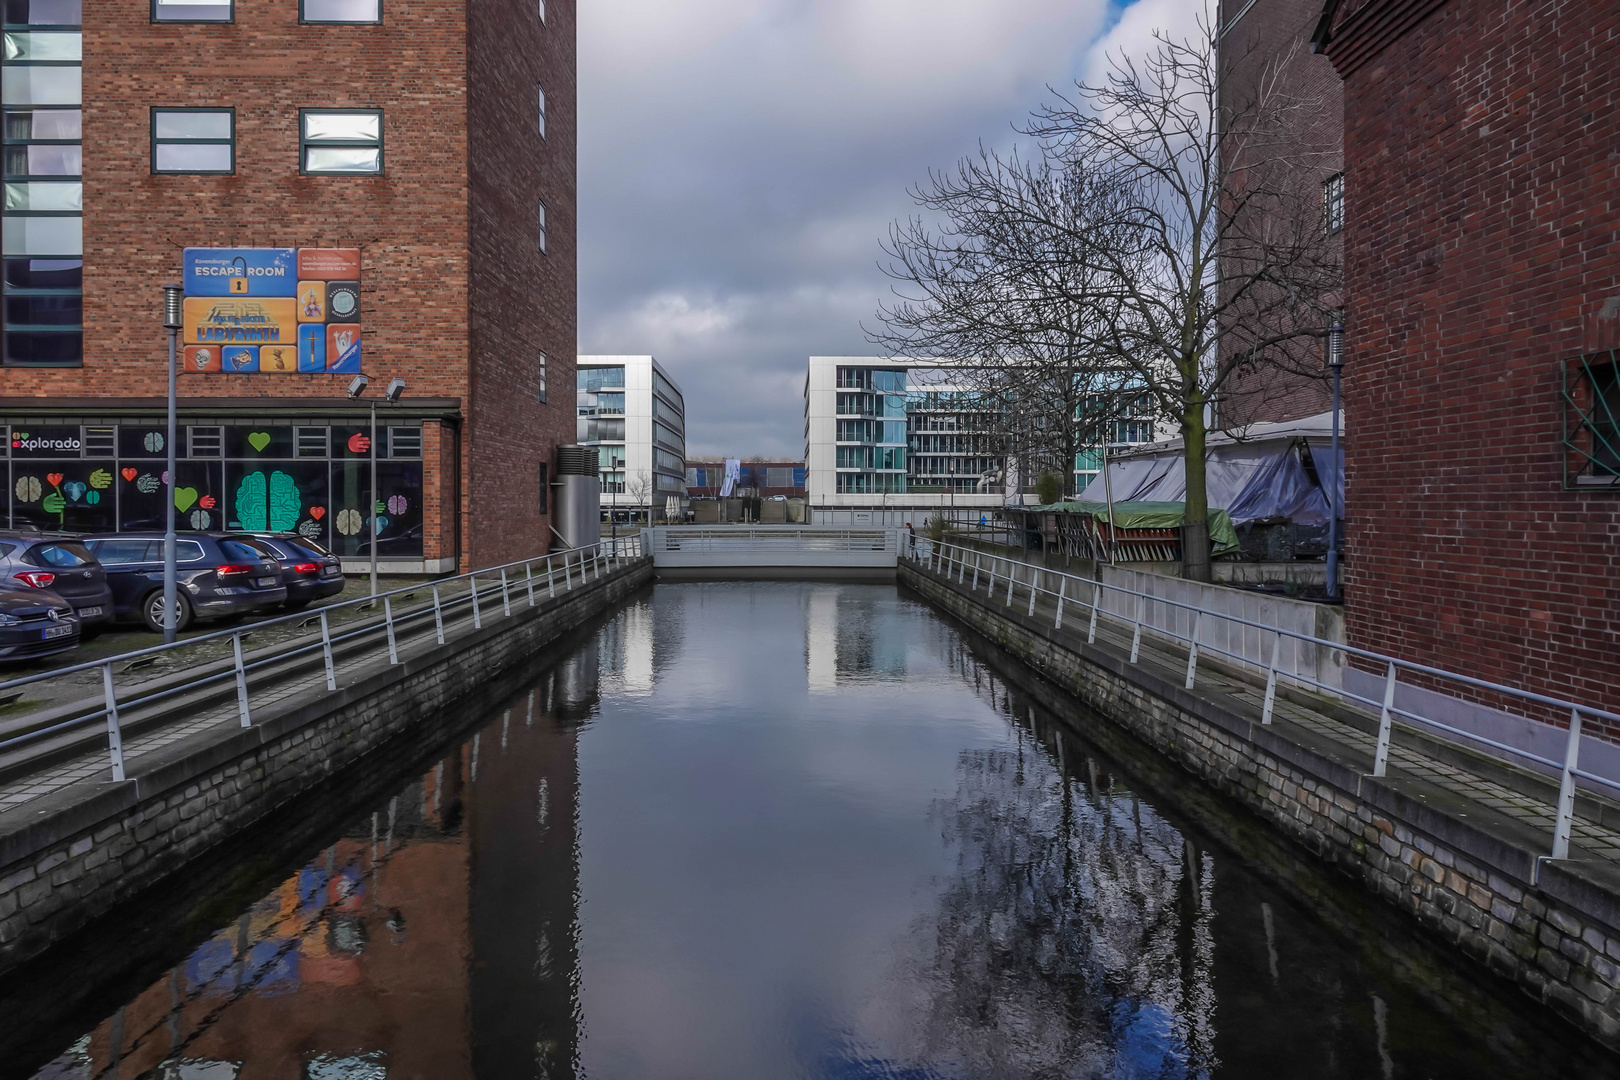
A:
1169,660
96,766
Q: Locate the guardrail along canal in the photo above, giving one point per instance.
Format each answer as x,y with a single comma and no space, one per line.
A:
775,829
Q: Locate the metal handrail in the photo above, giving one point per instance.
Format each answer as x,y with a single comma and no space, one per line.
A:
562,565
945,556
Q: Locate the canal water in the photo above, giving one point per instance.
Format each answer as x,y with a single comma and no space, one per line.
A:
761,830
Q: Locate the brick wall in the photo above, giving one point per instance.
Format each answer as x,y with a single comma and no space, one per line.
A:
522,302
1481,242
1273,36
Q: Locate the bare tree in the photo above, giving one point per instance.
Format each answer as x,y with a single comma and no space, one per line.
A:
1008,290
1218,256
640,489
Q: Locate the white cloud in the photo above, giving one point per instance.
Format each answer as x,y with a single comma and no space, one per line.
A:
740,161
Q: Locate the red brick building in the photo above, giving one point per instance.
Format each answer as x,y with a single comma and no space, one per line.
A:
437,140
1483,274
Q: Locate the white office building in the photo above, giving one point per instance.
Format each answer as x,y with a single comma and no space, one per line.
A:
632,411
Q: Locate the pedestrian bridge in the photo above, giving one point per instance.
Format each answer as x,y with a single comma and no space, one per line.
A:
686,552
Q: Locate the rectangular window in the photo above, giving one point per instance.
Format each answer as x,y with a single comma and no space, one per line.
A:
542,375
311,442
340,11
205,442
194,140
1333,203
192,11
1591,402
541,91
341,141
545,487
404,442
542,228
596,378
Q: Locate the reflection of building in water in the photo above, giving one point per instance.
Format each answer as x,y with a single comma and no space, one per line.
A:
627,649
399,949
853,633
577,686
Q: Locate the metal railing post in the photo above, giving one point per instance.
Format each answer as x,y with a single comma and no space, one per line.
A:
1063,592
1012,576
326,651
961,574
1136,638
506,595
551,580
978,557
1096,601
115,737
528,579
568,576
438,615
388,622
1271,680
1564,823
1192,648
1034,578
241,681
478,616
1385,721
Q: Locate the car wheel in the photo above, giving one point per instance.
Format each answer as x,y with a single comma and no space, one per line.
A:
152,612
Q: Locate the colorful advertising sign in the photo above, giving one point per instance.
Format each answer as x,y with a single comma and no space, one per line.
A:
272,311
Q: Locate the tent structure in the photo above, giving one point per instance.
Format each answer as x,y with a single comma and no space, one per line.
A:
1269,474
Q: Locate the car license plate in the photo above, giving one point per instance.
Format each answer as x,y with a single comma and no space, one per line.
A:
57,631
331,571
89,612
264,582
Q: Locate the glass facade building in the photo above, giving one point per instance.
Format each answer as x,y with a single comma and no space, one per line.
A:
631,410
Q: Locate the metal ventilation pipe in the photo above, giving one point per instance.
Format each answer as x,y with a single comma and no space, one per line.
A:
578,496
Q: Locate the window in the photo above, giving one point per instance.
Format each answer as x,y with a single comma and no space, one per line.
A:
596,378
542,374
542,228
1591,400
545,486
542,92
192,11
194,140
340,11
205,442
340,141
1333,203
404,442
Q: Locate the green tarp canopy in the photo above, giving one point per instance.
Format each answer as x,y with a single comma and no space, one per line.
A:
1150,515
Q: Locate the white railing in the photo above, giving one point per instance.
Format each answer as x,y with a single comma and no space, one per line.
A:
1093,600
484,594
728,538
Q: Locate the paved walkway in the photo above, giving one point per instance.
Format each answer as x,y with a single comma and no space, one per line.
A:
310,677
1168,660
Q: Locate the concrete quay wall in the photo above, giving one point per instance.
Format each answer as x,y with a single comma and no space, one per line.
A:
70,856
1476,880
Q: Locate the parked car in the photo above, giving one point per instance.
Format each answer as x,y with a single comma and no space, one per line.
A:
64,566
219,576
34,623
308,569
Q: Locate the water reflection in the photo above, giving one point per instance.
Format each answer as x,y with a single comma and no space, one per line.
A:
665,858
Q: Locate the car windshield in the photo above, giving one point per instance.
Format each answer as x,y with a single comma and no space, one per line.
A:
60,553
243,548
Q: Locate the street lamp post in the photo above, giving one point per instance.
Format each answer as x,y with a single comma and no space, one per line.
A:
172,310
1335,344
396,388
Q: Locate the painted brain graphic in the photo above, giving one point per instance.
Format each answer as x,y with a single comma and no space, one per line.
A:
153,442
268,504
349,522
201,519
397,505
29,489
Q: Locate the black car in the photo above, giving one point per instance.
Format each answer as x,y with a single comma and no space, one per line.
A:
219,576
308,569
34,623
64,566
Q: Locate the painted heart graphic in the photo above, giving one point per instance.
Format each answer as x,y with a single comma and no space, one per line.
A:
317,512
54,479
259,440
206,502
74,490
184,498
129,474
382,523
100,479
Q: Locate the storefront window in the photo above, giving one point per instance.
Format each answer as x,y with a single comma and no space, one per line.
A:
311,480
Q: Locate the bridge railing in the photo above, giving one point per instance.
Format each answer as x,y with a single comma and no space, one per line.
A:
1089,598
485,594
738,538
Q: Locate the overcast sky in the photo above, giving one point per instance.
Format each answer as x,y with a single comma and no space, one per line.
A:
741,160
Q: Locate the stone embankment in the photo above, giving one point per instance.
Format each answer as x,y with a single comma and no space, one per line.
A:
71,855
1456,840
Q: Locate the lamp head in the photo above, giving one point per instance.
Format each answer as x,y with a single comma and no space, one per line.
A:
172,297
358,385
396,390
1335,344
